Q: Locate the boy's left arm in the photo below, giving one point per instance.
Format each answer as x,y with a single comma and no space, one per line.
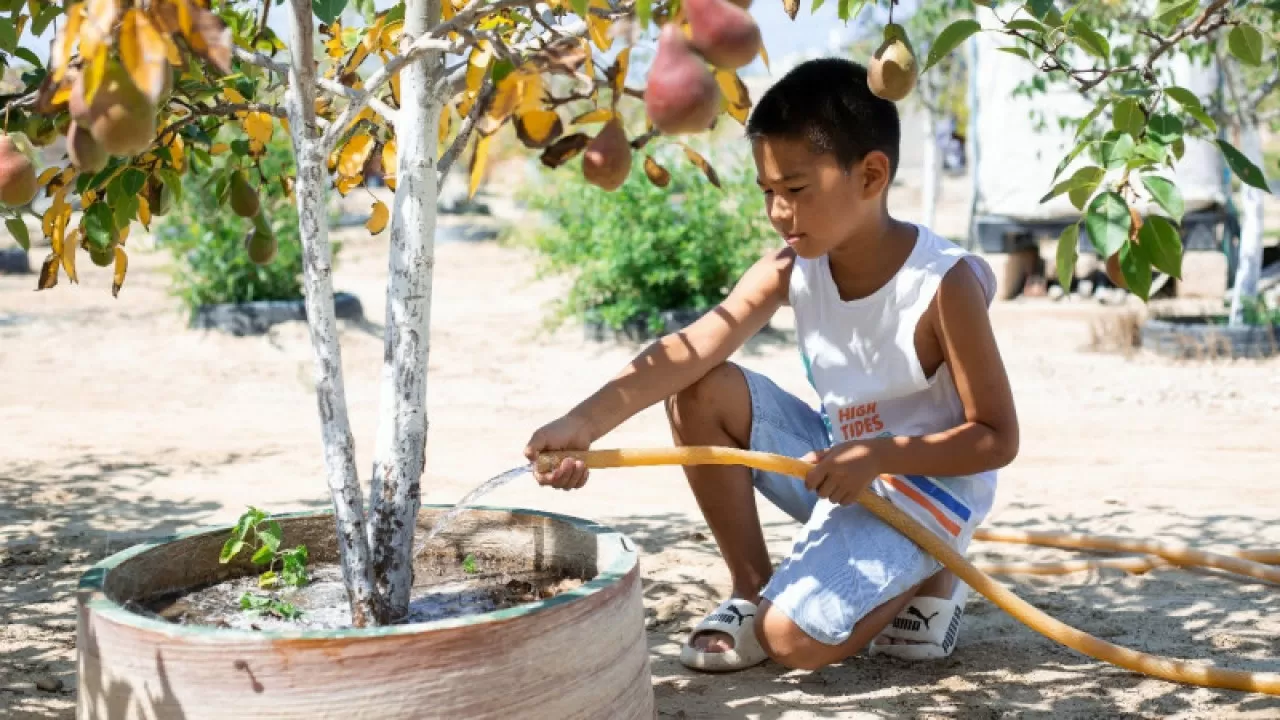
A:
986,440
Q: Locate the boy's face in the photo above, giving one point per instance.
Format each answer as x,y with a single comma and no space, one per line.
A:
815,203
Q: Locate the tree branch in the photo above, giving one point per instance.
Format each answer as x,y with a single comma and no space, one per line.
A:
1270,84
474,11
329,85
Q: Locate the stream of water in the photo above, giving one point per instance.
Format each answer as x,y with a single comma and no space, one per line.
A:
470,499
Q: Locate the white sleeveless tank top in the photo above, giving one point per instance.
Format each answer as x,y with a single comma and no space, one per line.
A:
861,358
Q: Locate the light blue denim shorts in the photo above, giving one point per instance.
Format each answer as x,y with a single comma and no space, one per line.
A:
845,562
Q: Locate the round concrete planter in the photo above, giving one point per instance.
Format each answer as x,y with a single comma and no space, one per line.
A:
256,318
1196,337
580,654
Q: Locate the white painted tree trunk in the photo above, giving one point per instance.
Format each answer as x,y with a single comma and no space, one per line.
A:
1250,263
310,189
400,455
931,175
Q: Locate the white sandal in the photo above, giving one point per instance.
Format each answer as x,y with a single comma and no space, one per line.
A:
734,617
929,624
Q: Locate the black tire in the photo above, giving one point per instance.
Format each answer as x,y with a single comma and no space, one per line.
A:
256,318
1201,337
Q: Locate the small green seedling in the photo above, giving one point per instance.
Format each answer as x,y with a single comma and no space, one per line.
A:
257,532
469,565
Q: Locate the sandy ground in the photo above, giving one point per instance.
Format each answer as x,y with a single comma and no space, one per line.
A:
118,423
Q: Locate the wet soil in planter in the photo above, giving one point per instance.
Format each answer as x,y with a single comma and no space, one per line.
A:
440,593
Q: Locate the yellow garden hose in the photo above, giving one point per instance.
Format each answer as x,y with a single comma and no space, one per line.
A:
1179,671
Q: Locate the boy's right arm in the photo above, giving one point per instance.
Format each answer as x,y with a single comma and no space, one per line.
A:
666,367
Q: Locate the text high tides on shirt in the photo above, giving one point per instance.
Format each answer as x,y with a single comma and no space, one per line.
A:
859,420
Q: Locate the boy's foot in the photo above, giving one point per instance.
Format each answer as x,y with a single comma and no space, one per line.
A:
928,627
725,640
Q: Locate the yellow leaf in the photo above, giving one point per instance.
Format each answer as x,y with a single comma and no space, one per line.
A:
446,124
391,34
378,216
354,153
530,93
93,74
142,53
144,211
333,46
123,234
478,66
594,116
764,57
389,163
479,158
67,249
256,148
372,39
701,164
47,175
48,272
62,95
539,128
233,96
100,18
734,98
395,89
184,17
618,74
54,211
464,105
218,148
345,184
117,275
598,29
504,101
257,125
66,41
357,57
177,153
284,123
171,50
657,174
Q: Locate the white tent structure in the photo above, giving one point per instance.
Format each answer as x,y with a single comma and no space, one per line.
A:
1016,144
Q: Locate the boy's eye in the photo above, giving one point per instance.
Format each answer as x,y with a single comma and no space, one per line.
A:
796,189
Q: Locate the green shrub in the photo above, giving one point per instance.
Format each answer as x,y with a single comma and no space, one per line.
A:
642,249
206,239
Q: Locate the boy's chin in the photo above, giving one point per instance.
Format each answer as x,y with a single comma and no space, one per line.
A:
807,249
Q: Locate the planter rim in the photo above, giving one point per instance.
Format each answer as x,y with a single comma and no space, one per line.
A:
91,588
279,302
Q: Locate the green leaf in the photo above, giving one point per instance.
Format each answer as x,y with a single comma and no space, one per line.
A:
1245,42
1067,254
125,211
1115,151
42,19
1040,8
268,579
171,179
1079,196
500,70
469,565
1136,269
132,181
99,224
263,556
1025,25
1089,175
230,549
270,535
1172,13
1165,128
1090,40
1015,50
1166,194
580,7
18,230
1070,157
328,10
949,39
1162,245
1093,115
1192,106
1243,167
1179,147
29,56
644,11
1108,223
8,36
1128,117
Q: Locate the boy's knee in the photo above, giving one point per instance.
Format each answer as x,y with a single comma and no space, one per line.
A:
791,647
706,397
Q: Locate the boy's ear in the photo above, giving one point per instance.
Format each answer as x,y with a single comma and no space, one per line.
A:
875,173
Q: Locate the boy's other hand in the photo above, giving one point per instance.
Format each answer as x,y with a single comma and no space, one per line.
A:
843,472
567,433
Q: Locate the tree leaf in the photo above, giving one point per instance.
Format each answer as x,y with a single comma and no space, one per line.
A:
143,54
1166,195
230,549
268,578
1040,8
1165,128
1108,222
262,556
328,10
92,74
1162,245
1245,42
1015,50
132,181
657,174
950,39
1093,115
597,115
1088,176
48,272
1067,254
791,7
389,163
1243,167
1136,269
1114,152
354,153
18,230
1172,13
702,165
479,159
1090,40
378,216
564,149
1192,105
539,128
1127,117
209,37
1025,25
257,125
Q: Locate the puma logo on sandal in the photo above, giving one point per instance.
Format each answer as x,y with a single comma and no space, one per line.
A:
731,614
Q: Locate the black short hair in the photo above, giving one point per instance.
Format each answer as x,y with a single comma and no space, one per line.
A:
827,102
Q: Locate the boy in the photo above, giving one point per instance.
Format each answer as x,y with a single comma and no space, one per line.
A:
893,327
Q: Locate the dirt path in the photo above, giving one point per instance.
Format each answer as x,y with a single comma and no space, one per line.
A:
119,423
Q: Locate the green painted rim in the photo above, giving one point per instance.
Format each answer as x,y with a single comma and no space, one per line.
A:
94,598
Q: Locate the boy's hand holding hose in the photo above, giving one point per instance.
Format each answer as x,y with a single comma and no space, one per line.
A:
570,432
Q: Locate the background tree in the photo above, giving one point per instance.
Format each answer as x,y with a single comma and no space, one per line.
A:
144,90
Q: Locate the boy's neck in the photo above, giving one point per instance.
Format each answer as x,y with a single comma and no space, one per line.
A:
863,263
